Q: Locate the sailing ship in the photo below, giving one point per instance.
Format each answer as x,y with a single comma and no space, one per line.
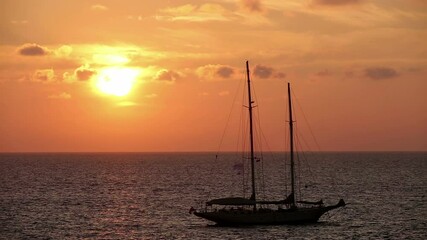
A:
251,211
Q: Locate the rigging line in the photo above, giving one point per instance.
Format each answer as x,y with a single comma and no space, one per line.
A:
287,143
266,143
241,143
299,175
304,157
258,133
256,147
263,186
244,174
259,142
243,122
243,126
260,136
304,145
270,151
247,176
308,123
297,151
256,171
299,136
264,139
243,178
294,119
245,131
240,134
229,116
286,160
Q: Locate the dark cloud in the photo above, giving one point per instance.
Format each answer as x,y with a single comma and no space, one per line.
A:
380,73
44,75
280,75
336,2
324,73
32,49
224,71
252,5
84,74
414,69
215,72
349,74
263,71
167,75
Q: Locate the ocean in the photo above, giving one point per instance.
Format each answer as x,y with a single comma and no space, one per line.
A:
148,195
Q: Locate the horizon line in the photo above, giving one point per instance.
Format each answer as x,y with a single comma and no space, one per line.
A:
212,152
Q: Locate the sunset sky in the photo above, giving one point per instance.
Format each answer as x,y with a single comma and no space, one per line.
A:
136,75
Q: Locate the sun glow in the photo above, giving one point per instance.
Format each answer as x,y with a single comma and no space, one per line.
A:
110,59
116,81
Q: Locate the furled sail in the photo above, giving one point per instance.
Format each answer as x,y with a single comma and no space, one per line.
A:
231,201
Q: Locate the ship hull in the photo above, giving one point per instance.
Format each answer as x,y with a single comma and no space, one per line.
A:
271,217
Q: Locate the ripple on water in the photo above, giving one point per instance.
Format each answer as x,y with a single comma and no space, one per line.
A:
147,196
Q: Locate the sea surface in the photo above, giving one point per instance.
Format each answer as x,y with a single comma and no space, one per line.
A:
148,195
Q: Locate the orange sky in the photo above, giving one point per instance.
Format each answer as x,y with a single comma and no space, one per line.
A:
357,67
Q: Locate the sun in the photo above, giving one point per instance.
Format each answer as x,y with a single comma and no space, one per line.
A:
116,81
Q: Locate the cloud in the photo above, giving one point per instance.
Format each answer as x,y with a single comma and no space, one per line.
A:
267,72
263,71
215,72
210,12
32,49
63,51
193,13
153,95
203,94
127,104
323,73
167,75
417,2
414,69
44,75
99,7
84,73
62,95
252,5
225,71
335,2
224,93
19,22
349,74
380,73
132,17
280,75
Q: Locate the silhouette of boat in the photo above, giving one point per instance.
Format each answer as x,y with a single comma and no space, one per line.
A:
251,211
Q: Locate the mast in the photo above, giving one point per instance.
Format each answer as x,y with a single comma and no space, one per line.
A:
253,197
291,150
